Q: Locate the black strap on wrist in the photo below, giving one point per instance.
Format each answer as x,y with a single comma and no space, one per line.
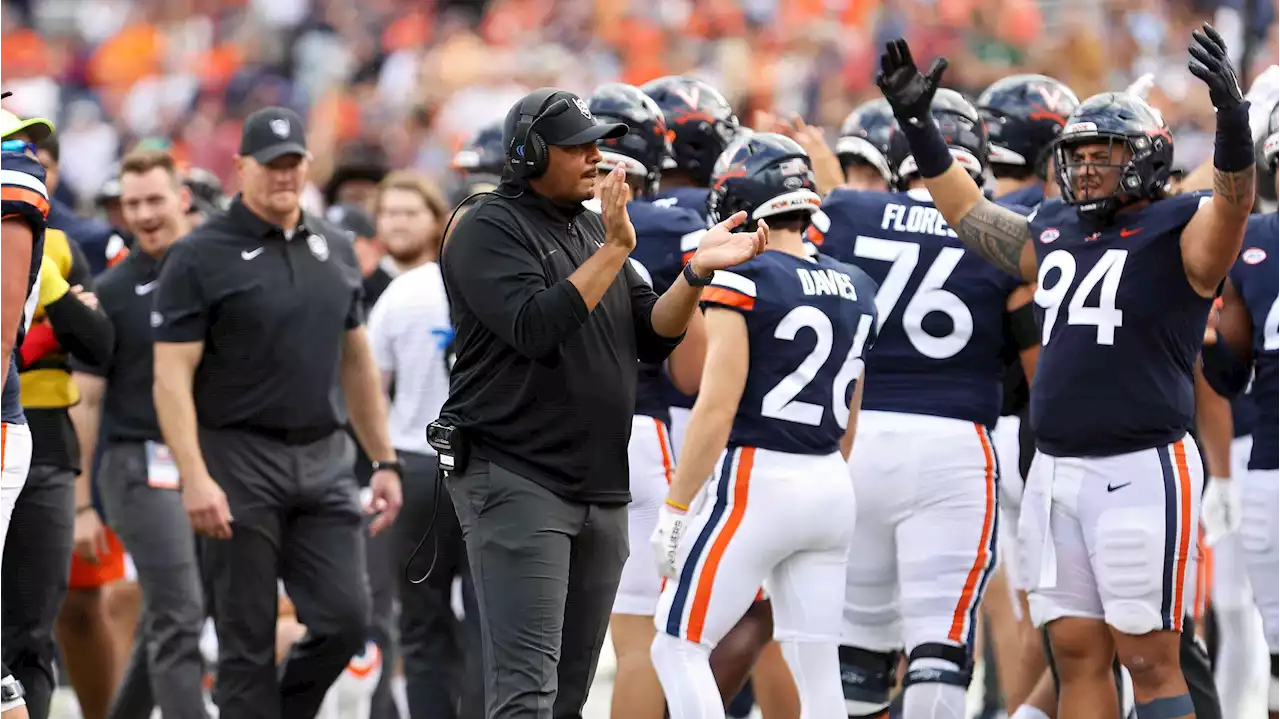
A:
392,464
692,277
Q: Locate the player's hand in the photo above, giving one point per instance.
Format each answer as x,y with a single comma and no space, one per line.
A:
908,91
87,298
385,499
1220,509
207,507
614,195
721,248
827,171
665,540
90,538
1210,63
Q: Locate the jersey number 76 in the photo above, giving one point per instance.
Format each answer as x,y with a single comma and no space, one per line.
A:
781,403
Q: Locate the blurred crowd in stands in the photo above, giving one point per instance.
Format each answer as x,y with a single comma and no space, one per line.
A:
390,84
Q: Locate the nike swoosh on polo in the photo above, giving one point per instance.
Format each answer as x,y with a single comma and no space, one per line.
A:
250,254
1126,232
1114,487
145,289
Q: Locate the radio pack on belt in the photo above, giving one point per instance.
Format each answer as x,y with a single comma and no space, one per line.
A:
447,439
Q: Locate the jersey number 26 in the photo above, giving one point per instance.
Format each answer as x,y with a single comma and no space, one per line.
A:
781,403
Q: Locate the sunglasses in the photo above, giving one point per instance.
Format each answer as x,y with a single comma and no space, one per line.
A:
17,146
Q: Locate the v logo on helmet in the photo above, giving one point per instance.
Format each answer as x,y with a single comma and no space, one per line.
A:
690,95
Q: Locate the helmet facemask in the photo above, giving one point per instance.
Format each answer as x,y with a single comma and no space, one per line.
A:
1101,173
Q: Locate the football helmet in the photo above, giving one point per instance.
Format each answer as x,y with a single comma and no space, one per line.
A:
961,127
765,174
207,195
1122,121
484,155
1024,114
642,151
701,121
864,137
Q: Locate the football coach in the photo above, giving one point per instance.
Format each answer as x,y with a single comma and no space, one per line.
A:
550,322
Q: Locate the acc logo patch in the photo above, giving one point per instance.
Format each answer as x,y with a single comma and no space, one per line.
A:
1049,235
319,246
1253,255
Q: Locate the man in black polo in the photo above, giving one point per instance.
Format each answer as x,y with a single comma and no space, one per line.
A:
257,321
136,475
551,319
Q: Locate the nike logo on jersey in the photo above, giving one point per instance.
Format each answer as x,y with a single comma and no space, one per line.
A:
1126,232
145,289
916,218
250,254
1114,487
826,282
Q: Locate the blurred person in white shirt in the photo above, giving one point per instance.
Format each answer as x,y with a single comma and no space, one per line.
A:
411,332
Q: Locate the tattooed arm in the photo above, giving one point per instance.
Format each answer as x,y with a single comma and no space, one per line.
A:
997,234
1211,241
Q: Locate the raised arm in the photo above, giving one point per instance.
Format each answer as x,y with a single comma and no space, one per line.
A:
998,234
1211,241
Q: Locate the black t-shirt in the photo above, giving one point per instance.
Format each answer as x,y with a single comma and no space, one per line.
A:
273,312
124,294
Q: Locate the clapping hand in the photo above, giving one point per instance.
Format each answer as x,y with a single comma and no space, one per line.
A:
721,248
1210,63
614,195
908,91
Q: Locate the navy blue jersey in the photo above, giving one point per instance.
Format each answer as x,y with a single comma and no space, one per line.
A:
1121,328
689,198
662,235
25,197
809,323
1030,196
941,309
1256,276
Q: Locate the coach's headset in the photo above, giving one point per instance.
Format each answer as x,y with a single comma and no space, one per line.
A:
527,156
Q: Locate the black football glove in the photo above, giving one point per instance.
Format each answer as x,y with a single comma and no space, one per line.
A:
1210,63
908,91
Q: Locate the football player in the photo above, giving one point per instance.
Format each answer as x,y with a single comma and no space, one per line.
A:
863,147
702,124
786,333
1111,507
660,232
1248,334
478,166
26,209
925,471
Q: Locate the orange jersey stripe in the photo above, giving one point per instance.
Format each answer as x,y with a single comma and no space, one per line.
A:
668,467
1184,535
957,632
702,598
688,256
726,296
14,193
4,442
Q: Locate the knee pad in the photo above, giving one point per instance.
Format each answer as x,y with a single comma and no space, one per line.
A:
867,678
11,693
928,664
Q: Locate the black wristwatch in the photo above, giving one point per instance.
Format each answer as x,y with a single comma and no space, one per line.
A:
393,465
692,277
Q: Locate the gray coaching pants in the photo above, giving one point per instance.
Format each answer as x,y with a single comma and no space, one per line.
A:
296,516
166,668
545,571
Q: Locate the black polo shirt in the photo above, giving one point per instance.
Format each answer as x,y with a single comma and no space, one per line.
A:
124,294
273,312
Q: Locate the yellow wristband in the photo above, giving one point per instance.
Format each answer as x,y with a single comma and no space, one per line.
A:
52,285
677,505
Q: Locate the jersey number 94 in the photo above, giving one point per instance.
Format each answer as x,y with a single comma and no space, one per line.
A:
1105,316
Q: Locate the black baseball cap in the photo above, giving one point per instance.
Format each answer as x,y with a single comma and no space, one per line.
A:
567,121
271,133
353,219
